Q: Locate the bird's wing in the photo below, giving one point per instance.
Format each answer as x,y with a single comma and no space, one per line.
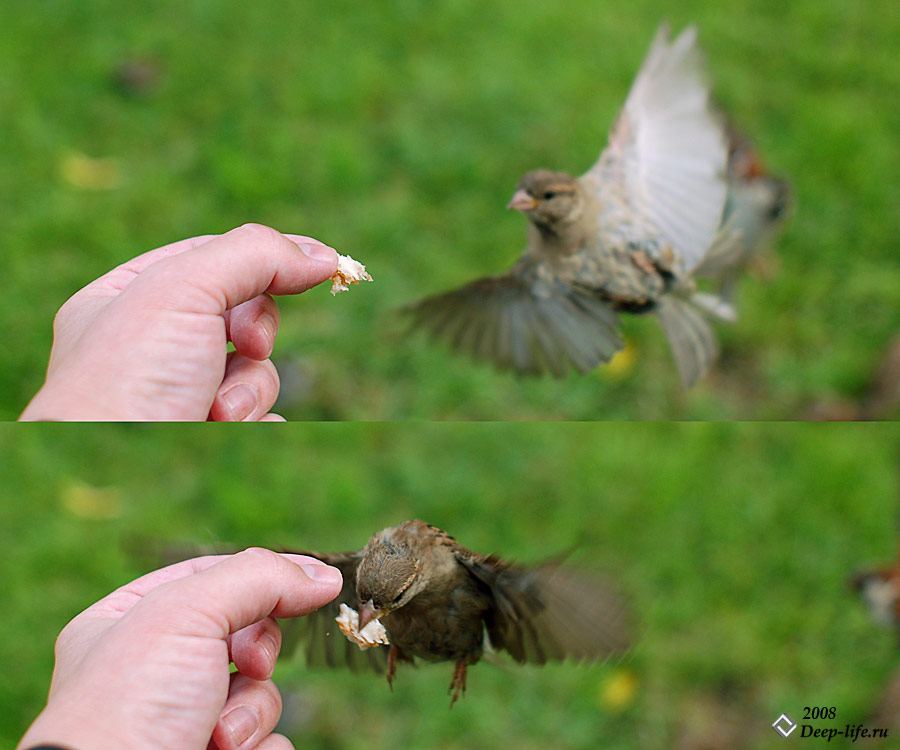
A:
318,633
667,152
549,613
524,322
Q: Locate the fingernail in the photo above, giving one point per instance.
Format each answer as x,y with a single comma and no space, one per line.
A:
269,645
322,573
268,324
241,400
242,723
321,253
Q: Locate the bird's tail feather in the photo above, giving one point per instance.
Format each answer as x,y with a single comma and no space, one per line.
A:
715,306
690,336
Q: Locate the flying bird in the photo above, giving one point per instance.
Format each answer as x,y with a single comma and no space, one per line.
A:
629,235
439,601
879,589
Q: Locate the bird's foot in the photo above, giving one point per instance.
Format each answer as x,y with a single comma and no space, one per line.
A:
393,655
458,682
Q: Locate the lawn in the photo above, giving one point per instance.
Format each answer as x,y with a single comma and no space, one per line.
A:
733,543
396,132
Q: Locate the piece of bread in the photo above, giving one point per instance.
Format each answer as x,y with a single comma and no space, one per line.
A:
373,634
349,271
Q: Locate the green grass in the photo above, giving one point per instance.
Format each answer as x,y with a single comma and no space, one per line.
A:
734,543
396,132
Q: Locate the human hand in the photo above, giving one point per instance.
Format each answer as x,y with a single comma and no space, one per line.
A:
147,341
147,667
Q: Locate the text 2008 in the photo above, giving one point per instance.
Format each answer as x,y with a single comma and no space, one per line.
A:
819,712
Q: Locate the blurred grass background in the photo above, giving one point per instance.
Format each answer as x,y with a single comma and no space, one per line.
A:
396,132
734,543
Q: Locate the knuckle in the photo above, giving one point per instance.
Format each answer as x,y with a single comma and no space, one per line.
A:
63,639
262,556
61,319
261,233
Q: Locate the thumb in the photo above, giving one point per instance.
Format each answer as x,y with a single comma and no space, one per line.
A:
230,593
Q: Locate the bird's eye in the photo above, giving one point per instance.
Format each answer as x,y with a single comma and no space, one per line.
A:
549,195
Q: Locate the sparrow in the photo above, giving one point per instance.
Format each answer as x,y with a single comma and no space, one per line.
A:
879,589
629,236
439,601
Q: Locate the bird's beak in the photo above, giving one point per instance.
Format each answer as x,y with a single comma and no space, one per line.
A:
521,201
367,613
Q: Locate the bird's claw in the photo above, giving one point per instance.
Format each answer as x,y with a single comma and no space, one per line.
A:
393,653
458,682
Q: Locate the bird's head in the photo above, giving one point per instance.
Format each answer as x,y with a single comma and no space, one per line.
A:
880,591
547,198
388,574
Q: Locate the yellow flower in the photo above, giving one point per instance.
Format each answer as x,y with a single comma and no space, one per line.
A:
87,173
96,503
621,365
618,691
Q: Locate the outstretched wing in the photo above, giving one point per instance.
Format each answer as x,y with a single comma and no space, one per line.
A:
665,162
549,612
318,633
524,322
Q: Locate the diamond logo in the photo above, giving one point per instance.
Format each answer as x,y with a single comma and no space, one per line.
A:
784,725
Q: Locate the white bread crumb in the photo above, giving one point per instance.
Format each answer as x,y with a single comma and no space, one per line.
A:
349,271
373,634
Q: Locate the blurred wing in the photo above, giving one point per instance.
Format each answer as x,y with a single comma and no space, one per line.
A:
667,151
523,322
318,634
550,613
